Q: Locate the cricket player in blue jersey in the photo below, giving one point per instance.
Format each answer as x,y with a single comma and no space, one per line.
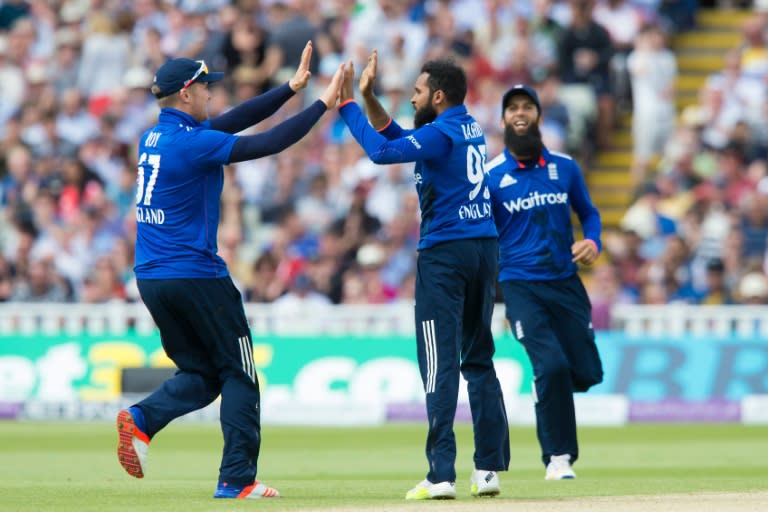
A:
533,191
456,268
182,280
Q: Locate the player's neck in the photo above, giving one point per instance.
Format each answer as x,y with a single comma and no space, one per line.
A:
442,108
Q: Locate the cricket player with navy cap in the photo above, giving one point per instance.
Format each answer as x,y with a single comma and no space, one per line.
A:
533,191
182,280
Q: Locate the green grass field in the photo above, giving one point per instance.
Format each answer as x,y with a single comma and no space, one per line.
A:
72,466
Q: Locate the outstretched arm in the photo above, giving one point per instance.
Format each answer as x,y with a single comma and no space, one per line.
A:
378,117
381,121
423,144
264,105
289,131
252,111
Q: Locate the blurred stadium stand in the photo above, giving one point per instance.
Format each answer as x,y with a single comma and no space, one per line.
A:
68,125
700,52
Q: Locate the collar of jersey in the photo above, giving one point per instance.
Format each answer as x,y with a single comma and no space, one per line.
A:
172,115
519,165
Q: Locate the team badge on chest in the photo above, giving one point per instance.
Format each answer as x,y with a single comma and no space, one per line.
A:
552,170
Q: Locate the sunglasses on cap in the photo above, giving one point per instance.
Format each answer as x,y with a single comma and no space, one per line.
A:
202,70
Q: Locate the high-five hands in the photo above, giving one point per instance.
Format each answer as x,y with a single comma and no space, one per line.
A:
368,76
332,91
301,78
584,251
347,90
367,79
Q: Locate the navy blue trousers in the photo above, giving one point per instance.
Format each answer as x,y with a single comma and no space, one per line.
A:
552,319
455,292
204,331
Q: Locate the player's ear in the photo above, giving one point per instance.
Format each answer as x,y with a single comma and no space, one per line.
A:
438,97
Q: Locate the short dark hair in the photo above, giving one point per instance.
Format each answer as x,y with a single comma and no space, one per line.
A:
447,76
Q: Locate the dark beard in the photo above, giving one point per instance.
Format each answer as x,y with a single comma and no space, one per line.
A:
424,115
527,146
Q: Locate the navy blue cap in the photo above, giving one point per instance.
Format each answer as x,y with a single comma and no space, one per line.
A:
520,89
176,74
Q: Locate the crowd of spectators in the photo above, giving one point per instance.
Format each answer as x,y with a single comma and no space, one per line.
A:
319,224
697,231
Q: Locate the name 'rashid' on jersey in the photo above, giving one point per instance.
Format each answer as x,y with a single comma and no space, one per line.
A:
471,131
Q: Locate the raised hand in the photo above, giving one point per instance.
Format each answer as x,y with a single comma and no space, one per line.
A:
331,93
368,76
301,78
347,90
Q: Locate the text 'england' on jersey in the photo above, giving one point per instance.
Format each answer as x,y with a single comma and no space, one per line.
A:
532,210
178,188
453,194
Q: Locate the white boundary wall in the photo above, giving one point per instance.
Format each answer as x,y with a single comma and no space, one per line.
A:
648,321
397,319
678,320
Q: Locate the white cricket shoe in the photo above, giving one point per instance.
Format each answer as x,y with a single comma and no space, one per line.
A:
559,468
426,490
484,483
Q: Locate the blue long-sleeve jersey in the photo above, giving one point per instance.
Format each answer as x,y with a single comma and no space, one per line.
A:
450,156
532,210
180,179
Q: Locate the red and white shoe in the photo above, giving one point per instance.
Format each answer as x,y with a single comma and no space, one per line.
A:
132,444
